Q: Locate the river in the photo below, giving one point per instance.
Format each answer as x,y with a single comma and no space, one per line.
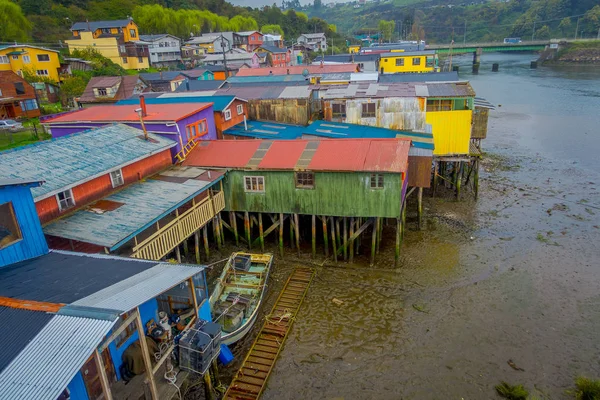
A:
514,276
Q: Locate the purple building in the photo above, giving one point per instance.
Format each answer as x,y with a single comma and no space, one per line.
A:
179,122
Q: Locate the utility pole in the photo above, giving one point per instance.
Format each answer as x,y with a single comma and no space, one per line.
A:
224,56
401,32
577,28
465,34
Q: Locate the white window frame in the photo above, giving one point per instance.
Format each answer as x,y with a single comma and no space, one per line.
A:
26,59
70,196
116,178
253,186
4,60
44,72
240,109
227,114
38,57
377,181
15,57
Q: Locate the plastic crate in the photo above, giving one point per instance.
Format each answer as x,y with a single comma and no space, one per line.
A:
242,263
199,346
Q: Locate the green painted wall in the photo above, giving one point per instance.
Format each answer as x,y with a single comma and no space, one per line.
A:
336,193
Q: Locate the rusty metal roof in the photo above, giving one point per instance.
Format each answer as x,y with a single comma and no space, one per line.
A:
396,89
298,70
375,155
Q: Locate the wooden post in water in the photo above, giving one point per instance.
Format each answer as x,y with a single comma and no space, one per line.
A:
205,238
292,231
261,233
297,224
281,220
233,223
314,236
197,246
208,387
221,230
345,239
420,208
398,233
351,250
217,231
325,240
435,178
186,250
458,178
178,254
476,178
333,241
374,227
403,220
359,238
247,229
378,236
337,232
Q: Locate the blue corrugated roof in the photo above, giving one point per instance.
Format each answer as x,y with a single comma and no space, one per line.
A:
266,130
73,159
219,102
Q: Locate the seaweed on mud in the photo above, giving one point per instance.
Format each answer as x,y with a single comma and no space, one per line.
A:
587,389
512,392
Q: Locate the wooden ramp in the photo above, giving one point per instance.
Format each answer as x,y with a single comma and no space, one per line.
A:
251,379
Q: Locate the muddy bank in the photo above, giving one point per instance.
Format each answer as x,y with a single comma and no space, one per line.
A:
577,53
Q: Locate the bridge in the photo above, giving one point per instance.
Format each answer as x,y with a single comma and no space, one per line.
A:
536,45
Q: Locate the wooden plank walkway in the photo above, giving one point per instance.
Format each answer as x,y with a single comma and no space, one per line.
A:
251,379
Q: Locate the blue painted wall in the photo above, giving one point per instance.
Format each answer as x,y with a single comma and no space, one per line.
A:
204,311
148,311
33,243
77,388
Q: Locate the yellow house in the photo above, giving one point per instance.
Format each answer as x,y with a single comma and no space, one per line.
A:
37,60
354,49
117,40
205,42
401,62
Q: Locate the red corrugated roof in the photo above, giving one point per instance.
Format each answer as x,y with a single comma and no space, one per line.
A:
298,70
114,113
370,155
283,154
222,153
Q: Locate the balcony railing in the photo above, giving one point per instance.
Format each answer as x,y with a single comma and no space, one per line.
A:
163,241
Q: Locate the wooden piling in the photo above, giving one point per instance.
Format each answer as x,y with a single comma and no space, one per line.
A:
292,231
297,225
186,250
458,177
345,239
217,232
420,208
325,240
261,233
378,234
338,239
351,245
197,246
333,241
398,233
178,254
476,179
281,220
221,230
359,238
314,236
435,178
373,241
403,216
247,229
233,223
208,387
205,238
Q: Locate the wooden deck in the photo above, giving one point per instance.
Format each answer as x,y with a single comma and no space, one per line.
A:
251,379
164,240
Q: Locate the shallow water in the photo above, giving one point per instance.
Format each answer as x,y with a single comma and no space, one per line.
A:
513,276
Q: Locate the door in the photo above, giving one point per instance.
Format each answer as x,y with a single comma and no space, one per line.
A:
91,378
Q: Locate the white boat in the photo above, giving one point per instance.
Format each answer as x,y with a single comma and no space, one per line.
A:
239,293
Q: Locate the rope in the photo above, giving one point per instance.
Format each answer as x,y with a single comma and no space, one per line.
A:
287,315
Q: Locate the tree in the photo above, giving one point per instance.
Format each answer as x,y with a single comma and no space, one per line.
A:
387,29
73,87
13,24
101,66
543,33
565,25
272,29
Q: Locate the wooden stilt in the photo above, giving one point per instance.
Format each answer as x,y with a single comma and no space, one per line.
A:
420,208
314,236
476,179
435,178
247,229
374,240
297,226
233,222
398,233
281,221
292,221
333,241
186,250
458,177
403,216
351,250
378,232
215,373
221,230
178,254
337,232
217,232
357,233
146,356
205,239
345,239
197,246
261,233
208,387
325,240
359,238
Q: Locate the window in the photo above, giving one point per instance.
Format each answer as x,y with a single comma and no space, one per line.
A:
122,49
132,33
28,105
196,130
42,72
369,110
399,62
43,57
338,110
19,87
376,181
127,332
4,60
429,62
416,60
124,60
65,200
15,57
254,184
240,109
439,105
227,115
102,92
116,178
305,180
9,228
140,59
26,59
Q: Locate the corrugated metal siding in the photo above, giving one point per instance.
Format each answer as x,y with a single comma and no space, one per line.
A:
419,171
48,363
287,111
335,193
451,131
138,289
480,123
33,243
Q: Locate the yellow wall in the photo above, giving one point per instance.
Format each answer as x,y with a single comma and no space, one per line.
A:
126,34
354,49
33,65
210,47
109,48
388,64
451,131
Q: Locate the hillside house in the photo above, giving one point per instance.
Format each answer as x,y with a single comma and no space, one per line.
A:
279,57
17,97
317,41
36,60
164,50
411,62
110,89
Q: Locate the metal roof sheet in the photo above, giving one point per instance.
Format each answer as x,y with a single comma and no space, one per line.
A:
127,113
340,155
450,89
222,153
143,204
220,103
385,157
195,85
130,293
64,277
160,76
44,368
298,70
283,154
265,130
408,53
89,154
416,77
17,182
93,25
483,103
24,325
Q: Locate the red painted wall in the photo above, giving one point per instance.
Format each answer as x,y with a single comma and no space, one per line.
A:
100,187
220,122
